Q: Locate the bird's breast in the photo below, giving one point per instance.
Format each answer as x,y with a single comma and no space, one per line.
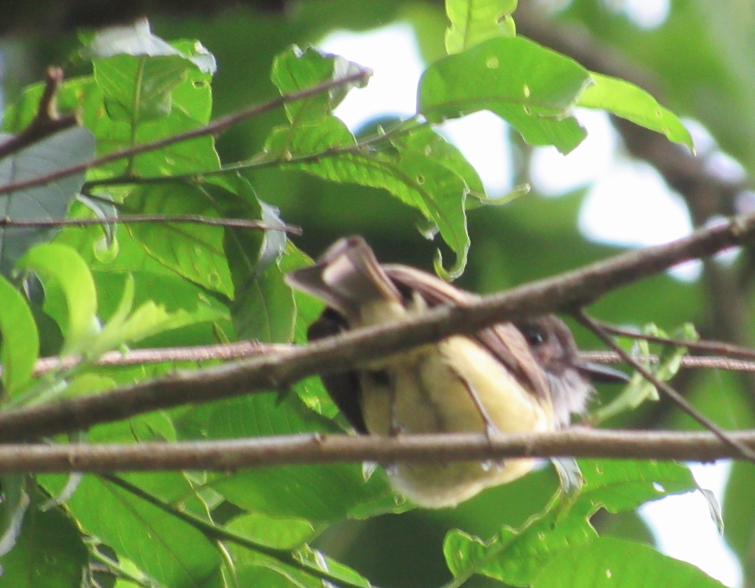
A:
433,390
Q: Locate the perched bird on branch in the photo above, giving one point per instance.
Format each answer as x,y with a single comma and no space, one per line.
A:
510,377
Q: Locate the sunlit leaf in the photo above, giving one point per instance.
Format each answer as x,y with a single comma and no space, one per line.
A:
19,349
531,87
475,21
68,272
628,101
614,562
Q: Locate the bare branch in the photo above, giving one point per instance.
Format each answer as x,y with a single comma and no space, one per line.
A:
238,350
688,361
213,128
238,223
712,346
229,455
242,349
47,121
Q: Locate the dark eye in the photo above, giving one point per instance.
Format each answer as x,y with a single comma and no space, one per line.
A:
534,335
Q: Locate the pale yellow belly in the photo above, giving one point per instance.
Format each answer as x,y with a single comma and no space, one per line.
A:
432,395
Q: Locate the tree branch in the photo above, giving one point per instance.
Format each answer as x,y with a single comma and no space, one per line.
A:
279,371
229,455
238,223
47,121
244,349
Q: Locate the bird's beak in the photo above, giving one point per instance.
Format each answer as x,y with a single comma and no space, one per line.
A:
602,374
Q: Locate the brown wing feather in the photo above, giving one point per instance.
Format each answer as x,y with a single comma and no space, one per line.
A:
503,340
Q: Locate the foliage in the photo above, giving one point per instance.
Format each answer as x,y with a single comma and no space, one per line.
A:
87,290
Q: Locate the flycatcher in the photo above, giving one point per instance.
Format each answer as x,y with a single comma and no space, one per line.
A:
510,377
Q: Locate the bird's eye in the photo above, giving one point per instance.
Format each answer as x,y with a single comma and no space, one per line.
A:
534,335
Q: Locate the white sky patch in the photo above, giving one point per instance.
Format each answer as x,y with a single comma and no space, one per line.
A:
481,137
646,14
391,52
684,529
628,203
553,173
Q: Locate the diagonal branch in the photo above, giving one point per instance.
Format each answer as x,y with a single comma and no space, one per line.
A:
279,371
677,398
214,128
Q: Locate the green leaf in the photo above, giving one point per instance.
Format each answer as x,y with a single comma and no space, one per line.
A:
168,549
315,559
280,533
55,153
19,349
639,389
12,510
614,562
264,308
192,250
327,149
148,319
139,89
68,271
49,552
516,557
475,21
295,70
317,493
531,87
631,102
260,575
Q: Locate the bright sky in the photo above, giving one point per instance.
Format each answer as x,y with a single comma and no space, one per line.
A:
628,204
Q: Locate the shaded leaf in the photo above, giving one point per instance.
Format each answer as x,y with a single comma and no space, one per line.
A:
194,251
327,149
317,493
49,552
167,549
55,153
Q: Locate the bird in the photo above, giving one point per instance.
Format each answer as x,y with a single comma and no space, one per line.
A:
511,377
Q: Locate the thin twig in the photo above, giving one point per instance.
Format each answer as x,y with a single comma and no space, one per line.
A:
333,354
198,353
256,162
712,346
232,454
707,362
149,218
47,120
678,399
242,349
213,128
